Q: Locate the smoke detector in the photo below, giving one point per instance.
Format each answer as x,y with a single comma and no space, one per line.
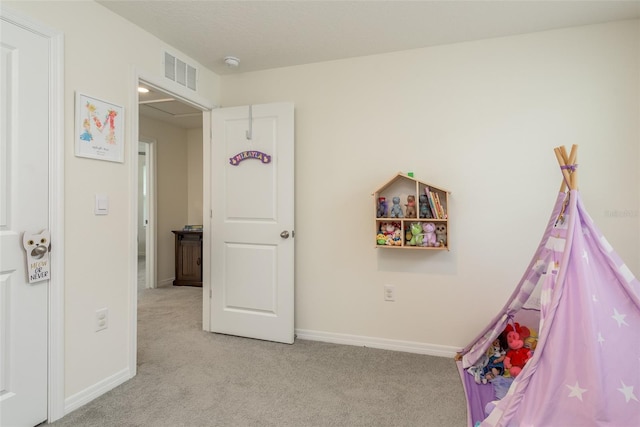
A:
231,61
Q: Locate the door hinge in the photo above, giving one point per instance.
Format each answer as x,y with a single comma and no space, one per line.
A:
210,293
210,213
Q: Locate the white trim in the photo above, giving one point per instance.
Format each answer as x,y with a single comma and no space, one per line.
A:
151,247
132,118
55,356
98,389
184,95
206,221
380,343
166,282
56,212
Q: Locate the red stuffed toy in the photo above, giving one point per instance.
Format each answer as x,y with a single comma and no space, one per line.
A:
517,355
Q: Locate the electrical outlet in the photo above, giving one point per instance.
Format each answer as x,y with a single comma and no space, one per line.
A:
389,293
102,319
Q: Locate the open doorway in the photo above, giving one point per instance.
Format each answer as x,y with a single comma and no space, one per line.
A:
178,96
170,145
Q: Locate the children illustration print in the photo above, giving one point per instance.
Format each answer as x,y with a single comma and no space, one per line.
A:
100,129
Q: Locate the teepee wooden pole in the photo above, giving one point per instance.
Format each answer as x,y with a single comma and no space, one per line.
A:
565,172
564,160
563,153
573,158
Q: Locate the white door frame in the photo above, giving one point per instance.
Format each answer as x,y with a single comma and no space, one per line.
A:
55,390
151,246
188,97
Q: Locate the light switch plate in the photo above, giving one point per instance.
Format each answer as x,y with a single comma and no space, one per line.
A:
102,204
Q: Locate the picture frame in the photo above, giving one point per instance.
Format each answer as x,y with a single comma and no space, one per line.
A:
99,129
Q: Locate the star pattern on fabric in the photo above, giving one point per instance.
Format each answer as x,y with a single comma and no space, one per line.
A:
576,391
619,317
627,390
600,338
585,255
594,298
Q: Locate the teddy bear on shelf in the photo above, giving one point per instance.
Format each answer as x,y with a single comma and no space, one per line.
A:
425,211
411,207
517,355
396,209
429,230
441,234
382,207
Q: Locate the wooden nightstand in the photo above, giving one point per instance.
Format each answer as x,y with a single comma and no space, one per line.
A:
188,258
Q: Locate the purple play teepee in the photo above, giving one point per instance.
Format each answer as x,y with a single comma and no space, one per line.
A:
585,303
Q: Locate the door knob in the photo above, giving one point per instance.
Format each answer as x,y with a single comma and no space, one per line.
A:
284,234
38,251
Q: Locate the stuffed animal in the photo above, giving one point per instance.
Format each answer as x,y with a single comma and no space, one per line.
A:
382,207
408,235
396,210
390,228
518,354
381,239
397,237
495,365
411,207
478,369
383,227
441,234
531,342
429,230
416,234
425,211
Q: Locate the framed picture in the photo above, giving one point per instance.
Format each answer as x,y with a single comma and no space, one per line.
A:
99,129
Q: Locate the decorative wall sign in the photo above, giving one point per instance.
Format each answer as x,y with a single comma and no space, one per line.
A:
37,248
99,129
244,155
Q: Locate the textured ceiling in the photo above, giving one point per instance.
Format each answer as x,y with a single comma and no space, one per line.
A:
271,34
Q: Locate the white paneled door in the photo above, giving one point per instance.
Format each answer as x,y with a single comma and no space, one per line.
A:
24,206
252,220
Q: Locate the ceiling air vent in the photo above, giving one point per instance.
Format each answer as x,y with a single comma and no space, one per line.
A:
179,71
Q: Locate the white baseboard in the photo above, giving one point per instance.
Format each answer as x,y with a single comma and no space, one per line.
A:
166,282
88,394
381,343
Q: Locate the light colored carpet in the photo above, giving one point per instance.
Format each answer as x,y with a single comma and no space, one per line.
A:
187,377
142,276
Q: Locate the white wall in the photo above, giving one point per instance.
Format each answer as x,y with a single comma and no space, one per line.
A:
480,119
101,51
194,175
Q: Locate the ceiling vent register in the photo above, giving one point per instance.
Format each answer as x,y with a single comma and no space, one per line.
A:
179,71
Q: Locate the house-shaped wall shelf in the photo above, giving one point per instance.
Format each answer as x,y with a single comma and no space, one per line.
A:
411,214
